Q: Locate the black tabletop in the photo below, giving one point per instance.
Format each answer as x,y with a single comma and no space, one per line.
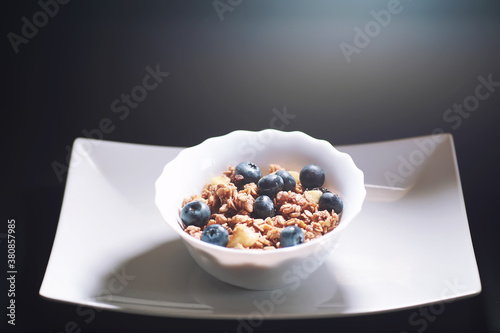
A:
174,73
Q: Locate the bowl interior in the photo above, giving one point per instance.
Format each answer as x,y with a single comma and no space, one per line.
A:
193,167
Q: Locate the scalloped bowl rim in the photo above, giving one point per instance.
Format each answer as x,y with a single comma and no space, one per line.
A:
354,209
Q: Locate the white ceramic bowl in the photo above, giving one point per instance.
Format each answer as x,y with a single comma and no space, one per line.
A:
193,167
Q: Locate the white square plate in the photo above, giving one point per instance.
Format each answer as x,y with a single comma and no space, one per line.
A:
409,246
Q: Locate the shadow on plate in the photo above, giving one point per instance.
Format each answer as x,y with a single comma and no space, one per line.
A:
166,281
395,176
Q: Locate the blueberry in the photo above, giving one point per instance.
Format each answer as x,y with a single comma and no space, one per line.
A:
246,172
270,185
330,201
215,234
291,236
263,207
288,180
312,176
195,213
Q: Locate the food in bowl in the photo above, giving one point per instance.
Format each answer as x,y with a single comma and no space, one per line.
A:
243,209
193,167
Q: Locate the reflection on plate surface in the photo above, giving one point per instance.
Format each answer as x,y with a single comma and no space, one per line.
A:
409,246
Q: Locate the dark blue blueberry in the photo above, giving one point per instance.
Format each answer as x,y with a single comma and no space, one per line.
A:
330,201
215,234
312,176
291,236
288,180
270,185
246,172
195,213
263,207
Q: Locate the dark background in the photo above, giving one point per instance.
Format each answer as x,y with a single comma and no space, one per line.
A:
230,74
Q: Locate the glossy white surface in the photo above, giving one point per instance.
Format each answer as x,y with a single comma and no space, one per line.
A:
189,171
113,250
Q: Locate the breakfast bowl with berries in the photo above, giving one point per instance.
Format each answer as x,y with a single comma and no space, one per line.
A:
251,205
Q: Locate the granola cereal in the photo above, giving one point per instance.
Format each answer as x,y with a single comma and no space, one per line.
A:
231,204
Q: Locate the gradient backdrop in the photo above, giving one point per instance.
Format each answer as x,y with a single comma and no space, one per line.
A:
340,74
